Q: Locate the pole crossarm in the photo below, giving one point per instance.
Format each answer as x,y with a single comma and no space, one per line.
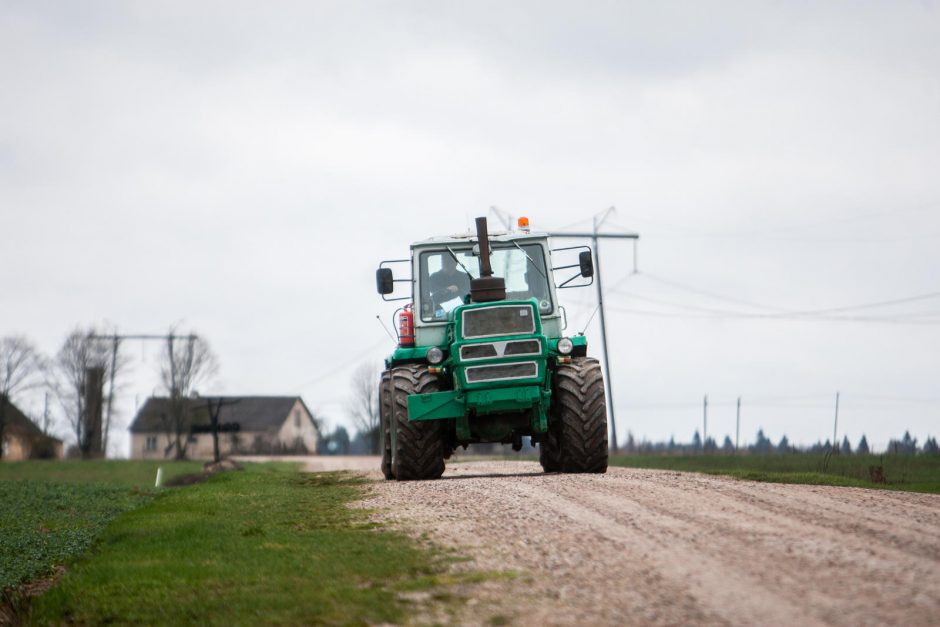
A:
142,336
598,236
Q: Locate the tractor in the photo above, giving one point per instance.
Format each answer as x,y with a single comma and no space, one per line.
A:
482,356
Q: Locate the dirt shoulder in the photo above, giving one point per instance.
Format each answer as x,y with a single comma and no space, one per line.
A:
661,547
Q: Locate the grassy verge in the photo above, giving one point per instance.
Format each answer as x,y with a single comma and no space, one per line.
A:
264,545
125,473
52,511
915,473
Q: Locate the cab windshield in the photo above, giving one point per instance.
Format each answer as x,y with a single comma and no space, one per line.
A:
445,277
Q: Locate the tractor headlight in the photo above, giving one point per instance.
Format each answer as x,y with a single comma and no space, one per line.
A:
435,355
565,346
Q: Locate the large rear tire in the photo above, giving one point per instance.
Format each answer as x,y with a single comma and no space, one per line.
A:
385,412
418,447
578,418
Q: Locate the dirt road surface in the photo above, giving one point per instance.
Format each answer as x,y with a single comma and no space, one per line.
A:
666,548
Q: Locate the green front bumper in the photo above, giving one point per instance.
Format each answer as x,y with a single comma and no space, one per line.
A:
458,405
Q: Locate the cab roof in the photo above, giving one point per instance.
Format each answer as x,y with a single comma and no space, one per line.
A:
471,236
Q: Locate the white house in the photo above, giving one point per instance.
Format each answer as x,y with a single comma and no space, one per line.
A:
250,424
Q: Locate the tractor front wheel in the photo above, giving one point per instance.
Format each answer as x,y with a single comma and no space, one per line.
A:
577,438
385,412
417,447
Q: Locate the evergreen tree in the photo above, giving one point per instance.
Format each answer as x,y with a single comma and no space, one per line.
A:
905,446
710,445
846,448
930,447
696,442
862,448
727,446
784,445
763,443
631,443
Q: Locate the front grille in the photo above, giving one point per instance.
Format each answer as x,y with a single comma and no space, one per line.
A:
498,320
478,351
502,372
523,347
511,348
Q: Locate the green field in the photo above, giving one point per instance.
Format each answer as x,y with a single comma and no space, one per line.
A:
125,473
265,545
916,473
51,511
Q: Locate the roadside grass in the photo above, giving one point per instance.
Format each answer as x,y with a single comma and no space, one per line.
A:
51,511
914,473
265,545
113,472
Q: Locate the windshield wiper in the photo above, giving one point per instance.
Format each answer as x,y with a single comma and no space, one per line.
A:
532,261
454,255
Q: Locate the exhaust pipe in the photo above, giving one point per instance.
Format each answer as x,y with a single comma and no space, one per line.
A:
488,287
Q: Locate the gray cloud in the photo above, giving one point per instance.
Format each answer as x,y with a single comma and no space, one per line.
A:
244,169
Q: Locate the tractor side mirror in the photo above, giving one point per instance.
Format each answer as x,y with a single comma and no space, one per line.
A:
587,264
384,281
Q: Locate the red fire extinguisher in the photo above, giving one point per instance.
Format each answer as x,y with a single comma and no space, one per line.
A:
406,327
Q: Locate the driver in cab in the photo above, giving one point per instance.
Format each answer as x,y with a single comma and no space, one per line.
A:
449,282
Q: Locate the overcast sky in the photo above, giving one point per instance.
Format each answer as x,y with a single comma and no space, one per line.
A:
241,168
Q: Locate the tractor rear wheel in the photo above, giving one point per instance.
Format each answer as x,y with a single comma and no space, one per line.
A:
418,447
579,417
385,412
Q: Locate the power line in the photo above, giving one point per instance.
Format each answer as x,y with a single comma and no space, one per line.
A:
696,290
335,370
745,316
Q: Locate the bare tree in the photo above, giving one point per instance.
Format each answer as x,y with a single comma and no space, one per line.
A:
117,364
80,352
364,403
187,362
21,369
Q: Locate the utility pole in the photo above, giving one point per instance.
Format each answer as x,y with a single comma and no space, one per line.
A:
835,425
107,418
737,426
45,414
704,421
505,217
595,237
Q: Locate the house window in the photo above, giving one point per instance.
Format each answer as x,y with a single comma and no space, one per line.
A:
151,444
297,418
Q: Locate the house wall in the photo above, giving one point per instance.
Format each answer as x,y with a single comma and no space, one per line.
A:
17,448
299,425
14,449
199,447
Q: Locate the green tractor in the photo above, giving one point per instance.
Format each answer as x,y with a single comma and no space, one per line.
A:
482,356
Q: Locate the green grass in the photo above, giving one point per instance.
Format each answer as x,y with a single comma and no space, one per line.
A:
51,511
141,474
265,545
916,473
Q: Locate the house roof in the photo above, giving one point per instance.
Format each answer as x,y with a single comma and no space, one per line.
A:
252,413
19,424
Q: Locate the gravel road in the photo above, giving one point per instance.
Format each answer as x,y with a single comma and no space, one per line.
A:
660,547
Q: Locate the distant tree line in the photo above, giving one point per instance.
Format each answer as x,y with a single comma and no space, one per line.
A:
763,445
